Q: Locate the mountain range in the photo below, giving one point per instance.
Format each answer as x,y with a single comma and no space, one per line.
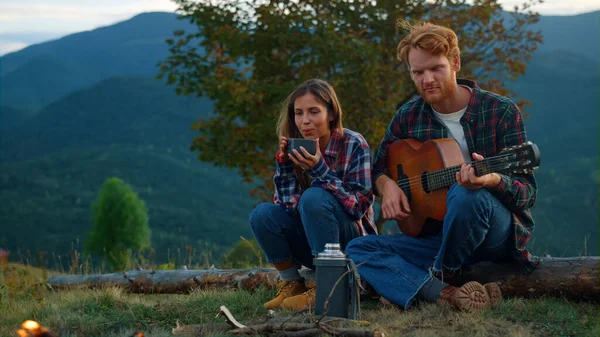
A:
80,109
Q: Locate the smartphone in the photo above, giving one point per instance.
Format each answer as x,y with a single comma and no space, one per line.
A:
309,144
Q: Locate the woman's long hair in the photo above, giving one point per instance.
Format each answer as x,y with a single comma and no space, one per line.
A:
286,126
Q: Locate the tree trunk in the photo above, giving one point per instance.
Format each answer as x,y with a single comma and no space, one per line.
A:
172,281
571,277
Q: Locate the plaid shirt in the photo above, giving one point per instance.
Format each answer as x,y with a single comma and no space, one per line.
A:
491,123
349,181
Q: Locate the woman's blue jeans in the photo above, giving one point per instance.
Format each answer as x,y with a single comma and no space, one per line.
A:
284,237
477,227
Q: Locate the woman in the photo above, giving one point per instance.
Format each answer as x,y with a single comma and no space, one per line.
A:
319,199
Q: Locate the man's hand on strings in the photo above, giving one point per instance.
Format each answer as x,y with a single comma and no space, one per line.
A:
466,176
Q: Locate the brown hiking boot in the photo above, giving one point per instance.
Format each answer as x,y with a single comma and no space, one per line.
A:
494,293
286,289
305,300
471,297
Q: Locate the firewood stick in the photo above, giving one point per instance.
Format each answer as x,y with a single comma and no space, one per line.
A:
230,319
272,327
301,333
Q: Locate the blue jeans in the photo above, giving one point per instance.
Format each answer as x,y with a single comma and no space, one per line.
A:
477,227
284,237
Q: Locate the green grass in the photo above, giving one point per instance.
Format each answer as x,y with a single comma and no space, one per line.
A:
113,312
552,316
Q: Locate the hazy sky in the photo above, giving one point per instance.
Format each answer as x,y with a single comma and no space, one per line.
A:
24,22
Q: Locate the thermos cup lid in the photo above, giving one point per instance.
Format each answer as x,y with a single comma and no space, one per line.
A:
332,250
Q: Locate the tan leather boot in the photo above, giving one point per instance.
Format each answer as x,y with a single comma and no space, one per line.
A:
471,297
303,301
286,289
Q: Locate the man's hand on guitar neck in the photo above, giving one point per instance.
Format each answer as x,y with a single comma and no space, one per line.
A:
394,203
466,176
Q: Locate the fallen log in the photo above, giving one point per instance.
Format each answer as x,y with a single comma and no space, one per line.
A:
173,281
575,278
571,277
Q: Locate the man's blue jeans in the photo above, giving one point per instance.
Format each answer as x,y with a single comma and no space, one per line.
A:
477,227
284,237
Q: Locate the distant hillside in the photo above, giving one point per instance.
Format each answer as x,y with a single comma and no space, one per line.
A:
134,47
575,33
566,212
125,42
134,128
12,117
563,88
41,80
129,48
126,111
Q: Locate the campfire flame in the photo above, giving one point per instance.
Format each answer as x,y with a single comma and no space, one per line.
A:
31,328
30,325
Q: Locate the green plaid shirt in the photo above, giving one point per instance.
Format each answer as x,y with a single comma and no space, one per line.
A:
491,123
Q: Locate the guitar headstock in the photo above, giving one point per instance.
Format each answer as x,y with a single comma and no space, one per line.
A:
522,158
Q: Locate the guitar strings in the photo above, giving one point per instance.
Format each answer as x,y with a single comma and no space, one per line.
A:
444,171
439,176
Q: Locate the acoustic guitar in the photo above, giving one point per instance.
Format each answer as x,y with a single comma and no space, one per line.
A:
426,170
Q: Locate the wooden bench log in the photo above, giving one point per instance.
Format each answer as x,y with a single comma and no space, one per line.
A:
172,281
576,278
570,277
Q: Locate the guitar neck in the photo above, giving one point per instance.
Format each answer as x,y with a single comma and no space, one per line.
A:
447,176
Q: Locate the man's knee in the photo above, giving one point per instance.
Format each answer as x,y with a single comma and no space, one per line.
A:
353,246
355,251
464,199
362,244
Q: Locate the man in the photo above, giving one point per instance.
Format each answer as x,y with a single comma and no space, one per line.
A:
487,216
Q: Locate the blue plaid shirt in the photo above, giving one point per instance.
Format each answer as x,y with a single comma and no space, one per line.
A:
347,178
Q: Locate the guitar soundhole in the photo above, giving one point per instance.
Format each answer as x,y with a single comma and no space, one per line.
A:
424,183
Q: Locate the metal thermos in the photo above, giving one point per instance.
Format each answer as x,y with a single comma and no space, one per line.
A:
330,265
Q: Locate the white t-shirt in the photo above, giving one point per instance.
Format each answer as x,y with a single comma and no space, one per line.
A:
452,122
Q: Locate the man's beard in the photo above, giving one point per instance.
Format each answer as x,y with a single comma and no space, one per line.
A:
446,90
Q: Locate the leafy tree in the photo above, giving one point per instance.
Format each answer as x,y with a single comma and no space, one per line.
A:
120,224
247,55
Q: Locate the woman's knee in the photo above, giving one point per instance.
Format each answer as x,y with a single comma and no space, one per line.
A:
312,199
260,215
